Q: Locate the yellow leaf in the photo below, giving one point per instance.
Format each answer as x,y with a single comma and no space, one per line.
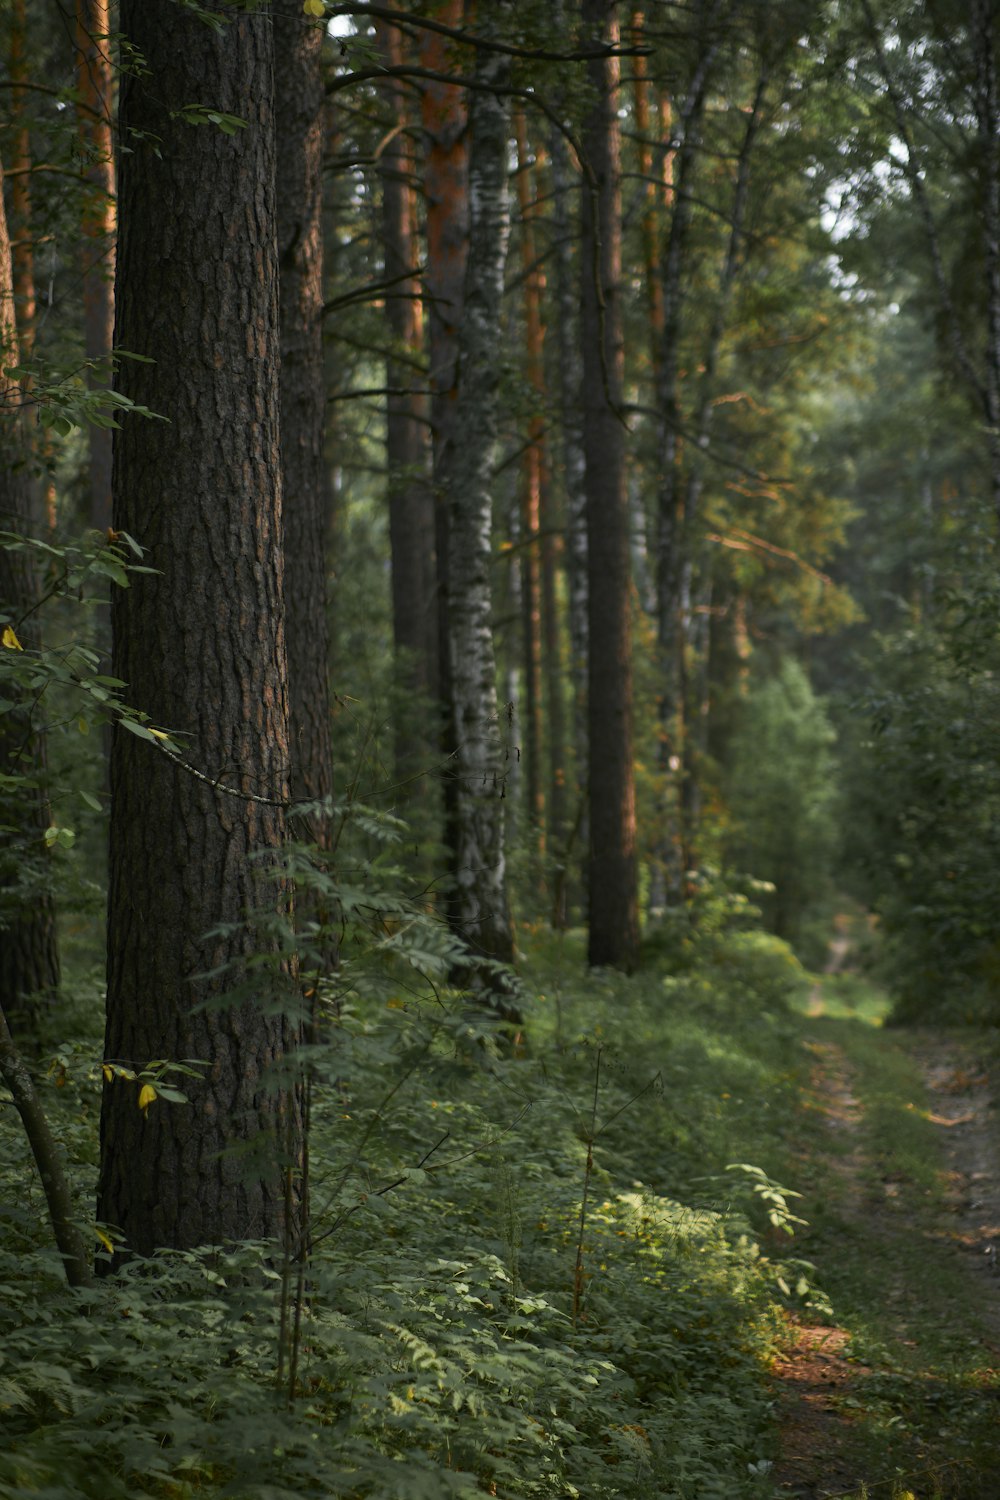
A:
10,640
313,8
159,734
146,1096
108,1072
105,1241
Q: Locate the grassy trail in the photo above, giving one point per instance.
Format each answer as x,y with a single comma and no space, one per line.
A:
899,1160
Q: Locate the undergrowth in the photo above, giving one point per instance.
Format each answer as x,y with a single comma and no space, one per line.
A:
552,1270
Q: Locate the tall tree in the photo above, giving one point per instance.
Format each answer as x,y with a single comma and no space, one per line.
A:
94,110
411,503
444,115
612,878
533,480
480,864
29,953
194,889
299,107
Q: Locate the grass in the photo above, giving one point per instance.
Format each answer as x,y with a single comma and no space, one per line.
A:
925,1399
576,1286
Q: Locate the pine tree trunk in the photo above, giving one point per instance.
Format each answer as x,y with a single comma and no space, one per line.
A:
612,877
411,513
94,107
29,954
194,890
481,895
532,481
670,862
299,109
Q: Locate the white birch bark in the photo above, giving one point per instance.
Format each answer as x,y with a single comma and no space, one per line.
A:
481,910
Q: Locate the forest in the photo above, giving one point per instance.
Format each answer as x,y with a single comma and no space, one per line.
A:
499,749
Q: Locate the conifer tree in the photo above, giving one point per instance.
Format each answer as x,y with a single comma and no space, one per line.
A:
199,643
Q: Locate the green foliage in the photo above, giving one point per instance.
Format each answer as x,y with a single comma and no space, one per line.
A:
781,792
463,1326
925,799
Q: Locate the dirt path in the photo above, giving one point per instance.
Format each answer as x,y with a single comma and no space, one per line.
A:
845,1425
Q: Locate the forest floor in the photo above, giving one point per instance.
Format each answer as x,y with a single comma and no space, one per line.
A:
897,1393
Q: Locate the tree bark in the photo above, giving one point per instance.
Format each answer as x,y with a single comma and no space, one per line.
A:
94,108
568,382
480,871
670,861
17,1077
299,110
29,952
532,481
612,877
195,891
411,509
444,116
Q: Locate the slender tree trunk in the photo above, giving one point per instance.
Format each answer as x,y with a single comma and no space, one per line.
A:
446,190
43,498
22,249
653,205
195,892
94,107
29,953
613,909
694,620
411,502
299,108
532,480
568,385
670,862
482,914
69,1241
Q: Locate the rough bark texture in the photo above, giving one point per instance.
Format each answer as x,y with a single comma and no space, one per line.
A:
532,482
299,105
568,386
201,647
446,189
670,861
411,501
482,915
612,877
29,954
94,107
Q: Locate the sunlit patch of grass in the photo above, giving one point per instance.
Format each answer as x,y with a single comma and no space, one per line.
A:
846,997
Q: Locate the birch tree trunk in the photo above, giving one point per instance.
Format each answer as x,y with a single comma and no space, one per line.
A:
612,879
444,116
480,870
194,889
